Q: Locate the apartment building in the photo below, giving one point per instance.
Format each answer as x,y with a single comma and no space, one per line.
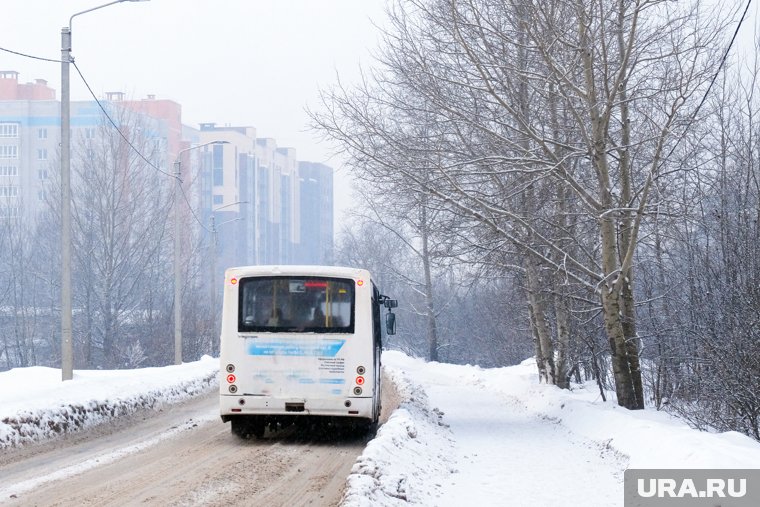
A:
316,194
261,203
29,138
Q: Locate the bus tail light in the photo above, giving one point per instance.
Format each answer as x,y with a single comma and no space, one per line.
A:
233,388
231,378
360,381
357,391
361,370
230,368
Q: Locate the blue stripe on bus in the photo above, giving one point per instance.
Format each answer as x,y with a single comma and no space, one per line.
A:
322,348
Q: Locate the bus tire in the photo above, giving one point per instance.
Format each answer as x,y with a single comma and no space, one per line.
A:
245,428
365,427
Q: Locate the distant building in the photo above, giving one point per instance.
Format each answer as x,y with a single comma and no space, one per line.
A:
29,139
227,192
264,206
316,182
278,204
30,136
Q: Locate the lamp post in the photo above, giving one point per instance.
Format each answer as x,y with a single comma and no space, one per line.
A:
177,251
212,219
67,346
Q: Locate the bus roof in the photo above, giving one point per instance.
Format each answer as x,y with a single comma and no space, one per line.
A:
288,270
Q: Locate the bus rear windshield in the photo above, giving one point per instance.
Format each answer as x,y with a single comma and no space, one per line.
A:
296,304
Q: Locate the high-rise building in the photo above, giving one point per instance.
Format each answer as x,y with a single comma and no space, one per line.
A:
227,192
316,194
261,204
30,136
279,204
29,139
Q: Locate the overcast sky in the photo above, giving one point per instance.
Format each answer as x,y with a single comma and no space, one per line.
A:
237,62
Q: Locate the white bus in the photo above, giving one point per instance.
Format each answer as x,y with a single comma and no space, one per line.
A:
300,341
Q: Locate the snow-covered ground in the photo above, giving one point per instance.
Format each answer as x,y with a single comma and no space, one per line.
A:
472,436
35,404
462,435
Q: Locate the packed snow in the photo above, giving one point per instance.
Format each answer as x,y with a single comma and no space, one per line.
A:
461,435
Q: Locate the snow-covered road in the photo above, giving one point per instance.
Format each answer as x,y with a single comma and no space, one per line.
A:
181,456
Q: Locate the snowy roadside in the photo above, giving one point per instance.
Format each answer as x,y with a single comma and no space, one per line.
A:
36,405
467,435
409,458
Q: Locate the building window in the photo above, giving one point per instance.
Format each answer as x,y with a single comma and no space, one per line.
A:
42,174
8,129
41,133
8,191
8,170
89,133
218,199
42,154
8,151
8,211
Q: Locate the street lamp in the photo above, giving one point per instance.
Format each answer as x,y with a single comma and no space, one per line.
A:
67,346
213,265
177,250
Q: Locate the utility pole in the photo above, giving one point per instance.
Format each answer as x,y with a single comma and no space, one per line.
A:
215,342
67,346
178,251
177,267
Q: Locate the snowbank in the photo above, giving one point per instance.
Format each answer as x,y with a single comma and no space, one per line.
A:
650,438
37,405
408,459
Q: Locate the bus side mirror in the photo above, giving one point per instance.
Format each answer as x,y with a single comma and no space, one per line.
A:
390,303
390,323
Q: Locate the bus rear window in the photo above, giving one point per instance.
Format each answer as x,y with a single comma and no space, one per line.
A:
296,304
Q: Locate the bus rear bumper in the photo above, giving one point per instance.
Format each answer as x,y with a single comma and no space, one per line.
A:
236,405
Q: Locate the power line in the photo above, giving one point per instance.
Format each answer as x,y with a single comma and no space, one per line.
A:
29,56
723,60
190,207
150,164
123,136
712,82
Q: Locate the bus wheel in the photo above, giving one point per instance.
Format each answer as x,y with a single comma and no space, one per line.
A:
362,428
257,428
244,428
239,427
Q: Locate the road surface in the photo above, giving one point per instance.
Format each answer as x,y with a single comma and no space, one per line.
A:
182,455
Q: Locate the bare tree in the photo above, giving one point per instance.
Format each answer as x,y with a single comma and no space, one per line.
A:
526,99
120,209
